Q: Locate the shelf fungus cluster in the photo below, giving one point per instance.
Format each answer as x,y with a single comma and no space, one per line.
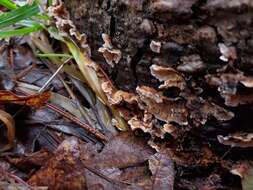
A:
150,110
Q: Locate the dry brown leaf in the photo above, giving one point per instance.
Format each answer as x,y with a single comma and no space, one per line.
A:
64,170
36,100
243,140
162,108
169,76
28,162
124,150
9,122
163,173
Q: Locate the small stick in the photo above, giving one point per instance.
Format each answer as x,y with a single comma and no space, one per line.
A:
71,117
73,97
113,181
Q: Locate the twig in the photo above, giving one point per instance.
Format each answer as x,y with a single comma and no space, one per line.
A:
71,117
73,97
113,181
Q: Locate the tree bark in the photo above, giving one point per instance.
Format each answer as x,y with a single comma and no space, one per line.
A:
184,27
197,38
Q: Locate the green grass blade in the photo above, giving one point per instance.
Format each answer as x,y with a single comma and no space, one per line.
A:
20,31
49,2
54,55
21,13
8,4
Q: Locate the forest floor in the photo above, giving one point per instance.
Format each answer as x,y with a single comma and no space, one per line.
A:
160,106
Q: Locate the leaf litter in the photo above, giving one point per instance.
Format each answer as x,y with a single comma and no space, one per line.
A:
71,135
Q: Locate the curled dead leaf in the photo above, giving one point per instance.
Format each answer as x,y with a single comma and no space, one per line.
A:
169,76
36,100
9,122
111,55
242,140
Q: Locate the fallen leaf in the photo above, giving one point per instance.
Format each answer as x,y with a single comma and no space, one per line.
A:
194,155
122,153
33,100
163,173
32,160
64,170
134,149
